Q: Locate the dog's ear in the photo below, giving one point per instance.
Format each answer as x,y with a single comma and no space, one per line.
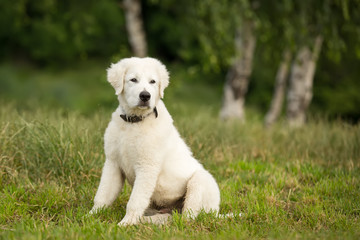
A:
164,78
116,75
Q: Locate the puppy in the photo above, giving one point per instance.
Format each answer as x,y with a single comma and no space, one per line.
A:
143,147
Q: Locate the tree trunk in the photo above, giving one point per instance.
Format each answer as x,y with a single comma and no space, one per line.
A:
237,79
301,82
134,26
279,90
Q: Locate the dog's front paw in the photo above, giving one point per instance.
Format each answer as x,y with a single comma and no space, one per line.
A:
97,208
94,211
129,220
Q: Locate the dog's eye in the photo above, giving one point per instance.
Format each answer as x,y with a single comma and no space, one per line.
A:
152,81
133,80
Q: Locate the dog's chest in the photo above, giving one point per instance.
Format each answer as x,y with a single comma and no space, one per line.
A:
136,148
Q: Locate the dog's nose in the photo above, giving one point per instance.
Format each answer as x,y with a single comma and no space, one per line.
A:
145,96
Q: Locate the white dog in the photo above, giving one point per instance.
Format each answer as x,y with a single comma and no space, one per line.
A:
143,146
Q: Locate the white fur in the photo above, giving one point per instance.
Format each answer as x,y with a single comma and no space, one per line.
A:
150,154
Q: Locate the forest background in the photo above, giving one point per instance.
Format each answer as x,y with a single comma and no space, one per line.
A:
196,39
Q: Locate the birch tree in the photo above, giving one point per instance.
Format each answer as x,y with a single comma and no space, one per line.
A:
278,24
237,79
306,19
301,83
279,90
135,28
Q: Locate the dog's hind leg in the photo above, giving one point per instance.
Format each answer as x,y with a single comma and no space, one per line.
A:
202,193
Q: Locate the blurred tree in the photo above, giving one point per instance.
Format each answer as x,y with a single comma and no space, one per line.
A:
134,26
301,83
238,76
280,26
309,20
279,90
226,33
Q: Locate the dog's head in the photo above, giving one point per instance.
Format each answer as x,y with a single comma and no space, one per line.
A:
138,82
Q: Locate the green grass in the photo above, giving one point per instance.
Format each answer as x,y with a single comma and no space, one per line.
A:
288,183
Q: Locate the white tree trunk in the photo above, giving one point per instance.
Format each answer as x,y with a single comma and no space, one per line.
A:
134,26
279,90
237,79
301,82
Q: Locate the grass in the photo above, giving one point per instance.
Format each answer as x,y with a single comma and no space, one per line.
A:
288,183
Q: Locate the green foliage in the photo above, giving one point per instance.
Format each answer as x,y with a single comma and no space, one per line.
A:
338,90
200,32
54,31
51,165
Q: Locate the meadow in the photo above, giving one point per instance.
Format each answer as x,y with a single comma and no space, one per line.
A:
287,183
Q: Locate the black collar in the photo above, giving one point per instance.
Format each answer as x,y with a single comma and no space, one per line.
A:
135,118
